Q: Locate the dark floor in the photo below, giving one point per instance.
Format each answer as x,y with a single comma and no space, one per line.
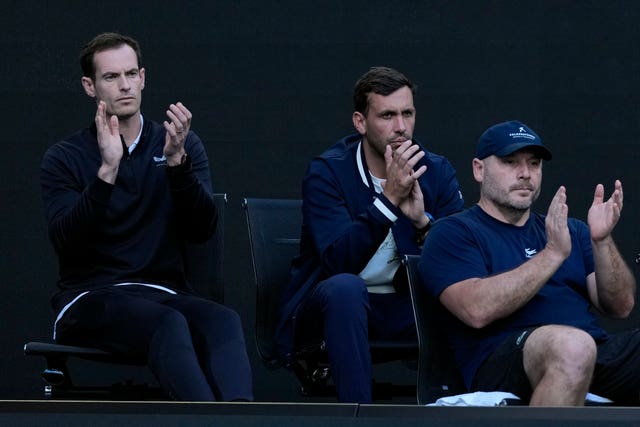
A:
158,414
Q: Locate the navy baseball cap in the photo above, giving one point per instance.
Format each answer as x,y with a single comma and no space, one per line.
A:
506,138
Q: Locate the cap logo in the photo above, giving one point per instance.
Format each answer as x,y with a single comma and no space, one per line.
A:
522,133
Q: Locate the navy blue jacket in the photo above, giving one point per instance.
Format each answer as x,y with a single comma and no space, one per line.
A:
134,230
344,223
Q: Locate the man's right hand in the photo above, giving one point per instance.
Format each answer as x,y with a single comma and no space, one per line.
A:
558,236
109,143
400,174
401,186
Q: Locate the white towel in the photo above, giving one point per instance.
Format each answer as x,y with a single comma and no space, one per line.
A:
478,398
495,398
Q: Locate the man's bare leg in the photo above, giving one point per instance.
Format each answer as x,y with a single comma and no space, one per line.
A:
559,361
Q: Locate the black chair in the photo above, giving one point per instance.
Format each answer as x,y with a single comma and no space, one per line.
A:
204,270
438,375
274,236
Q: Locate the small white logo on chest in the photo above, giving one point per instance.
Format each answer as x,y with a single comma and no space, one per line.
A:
529,252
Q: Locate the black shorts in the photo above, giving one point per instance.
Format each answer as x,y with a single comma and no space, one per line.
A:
504,368
616,375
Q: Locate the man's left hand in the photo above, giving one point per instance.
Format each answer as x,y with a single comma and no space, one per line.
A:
177,129
603,216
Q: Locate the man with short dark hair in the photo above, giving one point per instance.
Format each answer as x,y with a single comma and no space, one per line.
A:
367,201
122,198
519,286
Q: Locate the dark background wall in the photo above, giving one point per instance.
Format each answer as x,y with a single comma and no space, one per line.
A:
270,83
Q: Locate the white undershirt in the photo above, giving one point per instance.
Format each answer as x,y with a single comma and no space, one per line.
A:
135,142
378,273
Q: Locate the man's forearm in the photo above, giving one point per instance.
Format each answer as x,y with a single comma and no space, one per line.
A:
615,283
479,302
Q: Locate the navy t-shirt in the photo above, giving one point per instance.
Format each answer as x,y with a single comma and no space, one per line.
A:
474,244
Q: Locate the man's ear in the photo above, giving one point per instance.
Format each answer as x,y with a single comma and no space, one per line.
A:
89,88
478,169
359,122
142,77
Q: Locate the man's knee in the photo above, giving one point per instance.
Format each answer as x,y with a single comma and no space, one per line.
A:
572,346
344,291
227,325
215,315
561,349
171,325
580,346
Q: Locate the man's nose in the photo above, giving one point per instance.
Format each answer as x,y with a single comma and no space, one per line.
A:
524,171
400,125
124,84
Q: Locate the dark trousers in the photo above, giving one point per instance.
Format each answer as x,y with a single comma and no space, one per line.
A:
194,347
346,316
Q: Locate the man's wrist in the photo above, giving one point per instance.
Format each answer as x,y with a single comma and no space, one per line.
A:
421,232
427,221
177,159
108,173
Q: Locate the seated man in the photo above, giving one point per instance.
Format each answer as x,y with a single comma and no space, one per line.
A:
367,200
520,285
121,200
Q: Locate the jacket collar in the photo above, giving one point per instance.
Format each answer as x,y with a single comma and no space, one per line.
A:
363,169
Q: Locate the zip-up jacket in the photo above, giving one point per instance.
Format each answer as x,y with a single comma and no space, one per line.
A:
134,230
345,221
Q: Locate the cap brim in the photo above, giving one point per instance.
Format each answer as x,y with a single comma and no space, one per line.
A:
545,154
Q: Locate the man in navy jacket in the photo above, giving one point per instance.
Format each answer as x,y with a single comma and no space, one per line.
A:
367,200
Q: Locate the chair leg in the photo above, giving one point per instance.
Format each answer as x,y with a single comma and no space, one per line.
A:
56,373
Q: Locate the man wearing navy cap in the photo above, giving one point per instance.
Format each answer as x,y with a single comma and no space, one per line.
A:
519,286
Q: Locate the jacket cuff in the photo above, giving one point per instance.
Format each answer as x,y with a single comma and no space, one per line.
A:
100,191
180,176
387,208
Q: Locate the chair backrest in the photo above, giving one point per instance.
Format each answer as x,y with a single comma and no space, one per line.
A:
438,374
274,236
205,261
